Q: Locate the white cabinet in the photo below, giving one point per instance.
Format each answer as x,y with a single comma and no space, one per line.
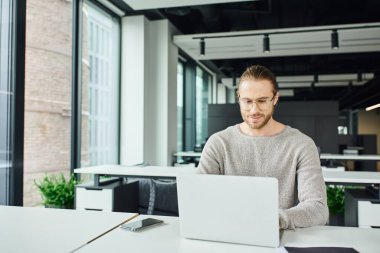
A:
94,199
368,214
362,208
115,196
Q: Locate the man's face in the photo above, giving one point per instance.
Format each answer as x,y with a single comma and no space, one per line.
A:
257,100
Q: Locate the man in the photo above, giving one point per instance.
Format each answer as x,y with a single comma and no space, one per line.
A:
263,147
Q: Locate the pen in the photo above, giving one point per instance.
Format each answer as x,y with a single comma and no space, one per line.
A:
109,230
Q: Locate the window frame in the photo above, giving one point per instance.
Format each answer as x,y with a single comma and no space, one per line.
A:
189,121
183,63
76,119
14,173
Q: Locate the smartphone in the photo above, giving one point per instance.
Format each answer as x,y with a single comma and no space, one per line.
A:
138,225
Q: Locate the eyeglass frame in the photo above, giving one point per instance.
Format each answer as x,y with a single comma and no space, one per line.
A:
260,107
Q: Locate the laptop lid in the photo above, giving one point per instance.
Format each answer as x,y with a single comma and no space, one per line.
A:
235,209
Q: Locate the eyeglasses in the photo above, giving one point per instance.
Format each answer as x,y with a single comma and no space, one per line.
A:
261,103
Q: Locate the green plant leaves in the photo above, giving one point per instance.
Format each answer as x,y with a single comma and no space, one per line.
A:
335,199
56,191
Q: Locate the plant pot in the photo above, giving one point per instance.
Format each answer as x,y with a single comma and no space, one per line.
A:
336,219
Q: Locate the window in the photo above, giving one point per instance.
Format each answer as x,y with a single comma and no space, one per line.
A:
180,82
196,95
48,64
100,86
6,93
202,83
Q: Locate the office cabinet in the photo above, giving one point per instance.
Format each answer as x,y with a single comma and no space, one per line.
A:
116,196
362,208
368,214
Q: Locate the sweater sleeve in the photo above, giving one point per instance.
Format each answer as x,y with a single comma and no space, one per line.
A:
312,207
211,161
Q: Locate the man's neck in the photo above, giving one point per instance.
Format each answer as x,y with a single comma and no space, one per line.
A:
271,128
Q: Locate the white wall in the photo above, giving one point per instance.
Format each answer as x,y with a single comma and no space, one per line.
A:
149,88
221,94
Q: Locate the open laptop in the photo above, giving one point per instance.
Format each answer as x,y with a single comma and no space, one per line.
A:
234,209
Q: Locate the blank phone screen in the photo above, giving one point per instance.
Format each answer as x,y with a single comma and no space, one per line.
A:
134,226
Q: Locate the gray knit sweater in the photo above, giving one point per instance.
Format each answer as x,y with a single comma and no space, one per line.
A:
290,156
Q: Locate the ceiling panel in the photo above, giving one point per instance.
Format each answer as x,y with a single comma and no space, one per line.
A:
156,4
234,45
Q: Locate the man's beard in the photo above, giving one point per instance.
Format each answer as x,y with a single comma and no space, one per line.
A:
259,125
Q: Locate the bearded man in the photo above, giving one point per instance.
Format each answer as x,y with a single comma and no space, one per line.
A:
263,147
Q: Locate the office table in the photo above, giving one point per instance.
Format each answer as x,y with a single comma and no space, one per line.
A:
350,157
350,177
167,239
36,229
363,178
188,154
188,157
323,156
154,172
30,229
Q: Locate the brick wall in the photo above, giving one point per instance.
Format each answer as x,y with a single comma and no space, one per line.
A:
48,93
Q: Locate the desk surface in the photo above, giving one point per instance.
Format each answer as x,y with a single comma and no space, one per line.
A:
35,229
359,177
148,171
349,157
188,154
355,177
166,239
55,230
324,156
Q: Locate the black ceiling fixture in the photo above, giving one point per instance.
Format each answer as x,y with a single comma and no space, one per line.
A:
202,46
234,81
334,39
266,43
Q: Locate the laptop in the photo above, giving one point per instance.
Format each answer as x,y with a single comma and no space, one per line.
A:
233,209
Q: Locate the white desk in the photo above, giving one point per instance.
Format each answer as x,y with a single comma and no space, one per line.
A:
352,177
148,171
366,178
125,171
349,157
167,239
188,154
55,230
34,229
323,156
360,177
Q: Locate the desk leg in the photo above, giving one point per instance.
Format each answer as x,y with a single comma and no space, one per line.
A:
96,180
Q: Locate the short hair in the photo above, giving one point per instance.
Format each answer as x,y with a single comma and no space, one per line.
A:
258,72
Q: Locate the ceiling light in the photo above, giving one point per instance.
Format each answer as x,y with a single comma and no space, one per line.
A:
372,107
334,39
294,85
337,77
331,83
202,46
292,79
286,92
266,43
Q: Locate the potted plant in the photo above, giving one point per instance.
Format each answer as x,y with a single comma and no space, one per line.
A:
56,191
335,202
